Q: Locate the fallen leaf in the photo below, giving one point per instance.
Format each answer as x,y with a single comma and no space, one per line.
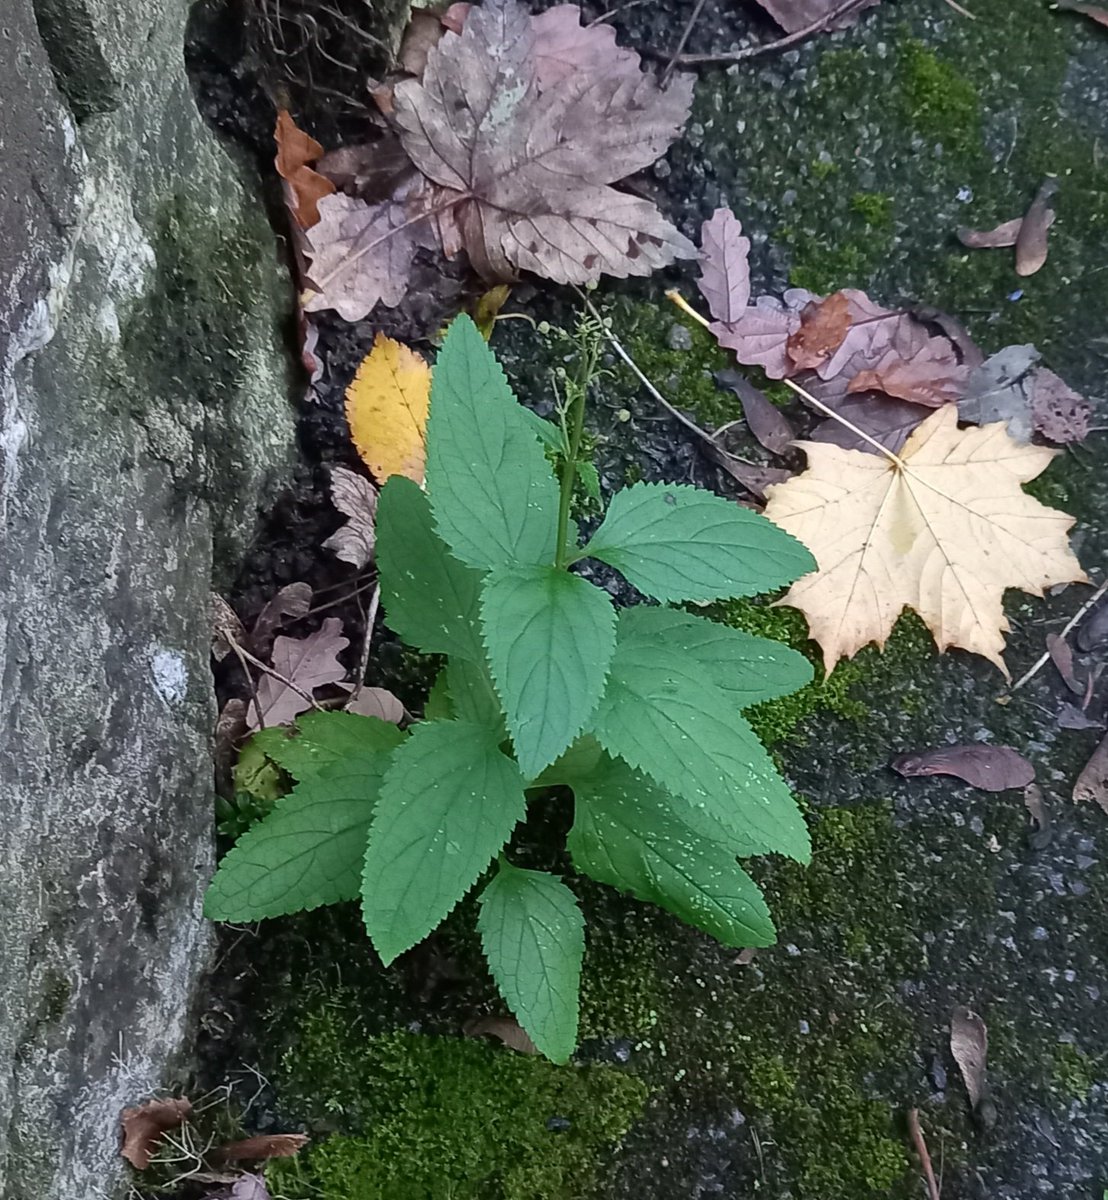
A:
504,1029
310,662
289,604
528,167
990,768
1000,390
422,35
932,376
746,956
564,47
1031,245
144,1125
230,729
1071,717
226,627
1093,11
1005,234
969,1043
361,256
1061,654
794,15
379,703
944,532
356,498
724,266
371,171
296,151
760,337
386,407
1058,412
767,422
754,478
1094,633
263,1146
1092,783
886,420
823,325
958,334
488,306
1037,810
250,1187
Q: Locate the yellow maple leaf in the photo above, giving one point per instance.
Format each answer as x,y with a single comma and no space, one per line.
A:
944,528
386,408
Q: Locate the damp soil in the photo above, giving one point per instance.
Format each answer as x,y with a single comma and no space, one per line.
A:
850,160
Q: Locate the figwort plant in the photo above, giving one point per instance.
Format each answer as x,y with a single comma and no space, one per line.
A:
637,713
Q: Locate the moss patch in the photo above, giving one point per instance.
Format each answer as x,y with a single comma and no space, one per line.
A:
442,1117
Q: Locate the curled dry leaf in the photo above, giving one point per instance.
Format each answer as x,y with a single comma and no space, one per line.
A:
504,1029
423,34
386,408
487,307
1092,783
767,422
991,768
823,325
379,703
264,1146
1005,234
356,498
1035,803
225,625
230,729
527,151
944,531
309,663
144,1125
1061,655
289,604
304,188
969,1044
1031,245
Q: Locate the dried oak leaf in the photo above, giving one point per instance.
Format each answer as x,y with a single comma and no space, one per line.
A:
1092,783
386,408
991,768
144,1125
287,605
564,47
528,165
310,662
296,150
356,498
943,532
724,266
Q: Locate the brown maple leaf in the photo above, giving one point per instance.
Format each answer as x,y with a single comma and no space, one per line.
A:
823,325
304,188
527,156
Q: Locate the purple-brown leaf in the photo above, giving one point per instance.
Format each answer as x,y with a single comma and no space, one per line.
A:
766,421
528,165
724,266
1005,234
760,337
794,15
1031,245
991,768
1092,783
309,663
887,420
1058,412
932,376
289,604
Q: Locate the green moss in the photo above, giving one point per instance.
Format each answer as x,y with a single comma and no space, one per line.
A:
1073,1073
876,209
936,100
621,994
433,1117
778,721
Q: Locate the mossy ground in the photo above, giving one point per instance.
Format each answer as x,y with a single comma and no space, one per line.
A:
852,162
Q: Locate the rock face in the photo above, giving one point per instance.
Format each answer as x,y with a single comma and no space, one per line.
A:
144,416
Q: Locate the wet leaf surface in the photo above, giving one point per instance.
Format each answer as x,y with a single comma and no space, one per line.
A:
991,768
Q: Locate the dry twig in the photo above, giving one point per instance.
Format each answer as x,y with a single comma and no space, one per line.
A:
916,1134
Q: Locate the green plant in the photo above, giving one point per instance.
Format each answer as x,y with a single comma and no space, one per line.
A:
638,714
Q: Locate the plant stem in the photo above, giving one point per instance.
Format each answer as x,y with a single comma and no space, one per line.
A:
569,465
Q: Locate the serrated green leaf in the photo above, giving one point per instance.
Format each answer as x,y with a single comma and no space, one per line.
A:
749,669
305,853
547,432
429,597
590,479
674,542
321,738
550,637
448,802
581,759
533,936
439,706
491,488
662,716
626,834
472,696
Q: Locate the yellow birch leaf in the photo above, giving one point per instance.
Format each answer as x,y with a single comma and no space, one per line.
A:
386,408
945,531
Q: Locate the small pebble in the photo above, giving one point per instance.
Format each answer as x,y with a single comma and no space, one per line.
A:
679,337
558,1124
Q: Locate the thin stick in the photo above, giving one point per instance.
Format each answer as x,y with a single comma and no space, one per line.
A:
1072,624
267,670
363,661
677,415
734,56
686,33
916,1134
895,459
965,12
